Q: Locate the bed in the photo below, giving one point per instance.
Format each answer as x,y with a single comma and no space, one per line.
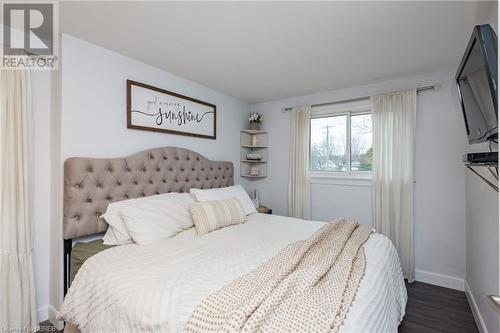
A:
156,287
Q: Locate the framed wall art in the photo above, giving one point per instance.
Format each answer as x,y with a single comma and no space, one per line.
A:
154,109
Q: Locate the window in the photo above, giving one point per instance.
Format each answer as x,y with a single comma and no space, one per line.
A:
341,142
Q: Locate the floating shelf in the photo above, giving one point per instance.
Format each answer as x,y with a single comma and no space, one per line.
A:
250,146
254,131
253,141
253,161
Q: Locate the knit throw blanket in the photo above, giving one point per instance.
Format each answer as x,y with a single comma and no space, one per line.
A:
308,286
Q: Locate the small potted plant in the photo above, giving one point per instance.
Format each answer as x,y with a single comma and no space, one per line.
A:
255,119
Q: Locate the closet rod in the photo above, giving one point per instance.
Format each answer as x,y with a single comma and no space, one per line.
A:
419,89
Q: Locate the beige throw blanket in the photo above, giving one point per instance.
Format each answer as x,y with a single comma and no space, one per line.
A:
308,286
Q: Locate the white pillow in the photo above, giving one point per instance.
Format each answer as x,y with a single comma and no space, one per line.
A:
236,191
161,217
110,238
117,233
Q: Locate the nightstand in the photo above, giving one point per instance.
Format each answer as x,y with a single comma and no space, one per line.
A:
264,210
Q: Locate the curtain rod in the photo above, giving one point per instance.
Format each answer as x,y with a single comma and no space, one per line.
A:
419,89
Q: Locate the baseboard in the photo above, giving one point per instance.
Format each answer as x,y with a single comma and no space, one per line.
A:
52,317
43,313
440,280
475,310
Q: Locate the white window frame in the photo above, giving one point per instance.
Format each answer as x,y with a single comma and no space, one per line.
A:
361,178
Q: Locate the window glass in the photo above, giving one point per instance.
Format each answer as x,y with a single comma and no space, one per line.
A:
329,151
341,143
361,142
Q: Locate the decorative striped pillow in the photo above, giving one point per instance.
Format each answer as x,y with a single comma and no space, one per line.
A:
212,215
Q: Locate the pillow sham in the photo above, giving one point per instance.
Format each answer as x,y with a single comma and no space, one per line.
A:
236,191
212,215
117,233
161,217
110,238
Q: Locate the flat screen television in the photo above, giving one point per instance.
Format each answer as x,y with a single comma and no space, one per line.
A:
477,85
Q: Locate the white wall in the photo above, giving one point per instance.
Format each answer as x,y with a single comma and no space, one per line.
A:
345,198
89,119
483,231
439,174
94,107
482,248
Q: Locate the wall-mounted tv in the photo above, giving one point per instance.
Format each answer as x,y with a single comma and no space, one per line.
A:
477,85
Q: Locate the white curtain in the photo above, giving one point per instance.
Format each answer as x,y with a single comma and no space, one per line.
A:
299,193
394,118
17,287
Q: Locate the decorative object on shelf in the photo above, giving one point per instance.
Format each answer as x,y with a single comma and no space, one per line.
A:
254,140
255,119
254,171
264,210
154,109
254,156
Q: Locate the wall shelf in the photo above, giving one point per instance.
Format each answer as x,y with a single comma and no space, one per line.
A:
253,147
249,131
256,161
495,302
253,142
492,168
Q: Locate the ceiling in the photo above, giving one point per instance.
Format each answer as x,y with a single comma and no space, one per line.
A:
261,51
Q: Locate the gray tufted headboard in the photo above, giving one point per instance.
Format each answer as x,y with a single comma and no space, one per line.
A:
90,184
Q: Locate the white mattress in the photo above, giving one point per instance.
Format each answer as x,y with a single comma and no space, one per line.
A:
155,287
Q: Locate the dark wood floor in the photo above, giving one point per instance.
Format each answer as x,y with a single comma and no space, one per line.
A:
46,326
430,309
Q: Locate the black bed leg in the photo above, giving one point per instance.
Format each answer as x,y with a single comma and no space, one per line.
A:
68,244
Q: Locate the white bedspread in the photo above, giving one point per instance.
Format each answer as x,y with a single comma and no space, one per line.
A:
155,287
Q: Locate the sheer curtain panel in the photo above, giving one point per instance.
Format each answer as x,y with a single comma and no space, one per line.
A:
17,287
299,193
394,117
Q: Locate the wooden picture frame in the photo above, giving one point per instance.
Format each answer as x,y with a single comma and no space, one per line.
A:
154,109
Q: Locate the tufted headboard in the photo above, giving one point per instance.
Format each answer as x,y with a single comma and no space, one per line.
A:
90,184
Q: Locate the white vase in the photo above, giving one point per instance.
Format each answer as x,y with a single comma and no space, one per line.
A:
254,140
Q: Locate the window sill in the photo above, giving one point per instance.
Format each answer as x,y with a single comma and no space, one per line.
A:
363,179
